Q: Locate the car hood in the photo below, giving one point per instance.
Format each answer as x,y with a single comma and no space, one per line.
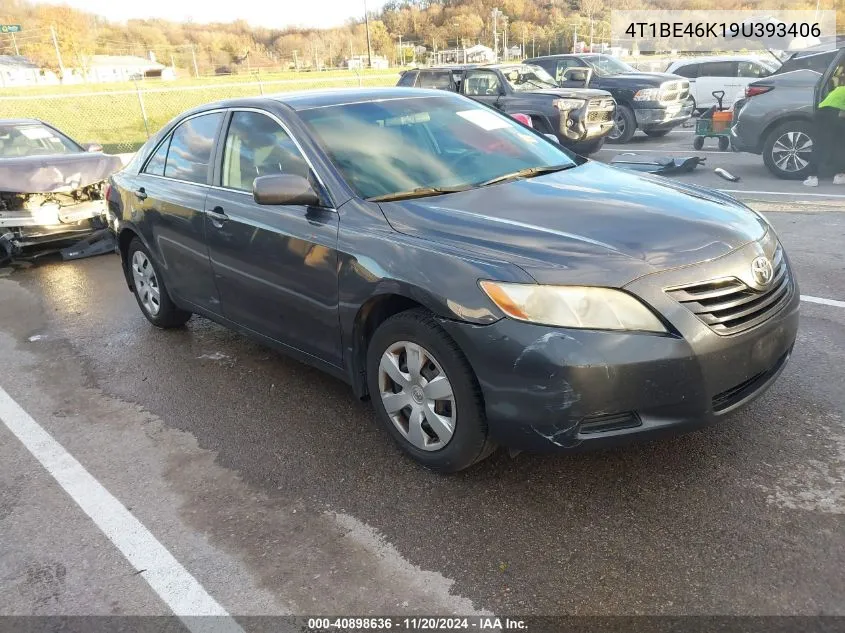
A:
590,224
643,79
570,93
55,173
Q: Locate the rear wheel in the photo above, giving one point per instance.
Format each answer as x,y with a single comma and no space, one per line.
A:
624,125
788,150
425,393
150,290
724,143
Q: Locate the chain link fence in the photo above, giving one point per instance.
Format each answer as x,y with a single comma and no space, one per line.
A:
122,120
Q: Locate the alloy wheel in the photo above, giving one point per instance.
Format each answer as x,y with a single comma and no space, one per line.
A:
792,151
618,129
146,283
417,395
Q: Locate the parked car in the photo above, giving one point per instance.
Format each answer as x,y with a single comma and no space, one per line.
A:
655,103
579,118
51,187
775,117
478,282
728,73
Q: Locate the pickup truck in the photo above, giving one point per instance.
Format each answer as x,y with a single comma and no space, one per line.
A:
652,102
579,118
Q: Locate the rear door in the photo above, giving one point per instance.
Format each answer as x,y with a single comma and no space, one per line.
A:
168,207
713,76
436,79
275,265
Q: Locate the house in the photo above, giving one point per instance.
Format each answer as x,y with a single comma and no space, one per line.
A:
107,68
356,62
16,70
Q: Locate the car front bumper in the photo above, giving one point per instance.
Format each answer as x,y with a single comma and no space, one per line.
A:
662,118
555,389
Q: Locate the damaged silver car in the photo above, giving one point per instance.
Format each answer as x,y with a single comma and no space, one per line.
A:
52,189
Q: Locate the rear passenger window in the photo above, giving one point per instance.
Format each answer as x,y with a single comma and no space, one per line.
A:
408,78
191,147
752,69
717,69
690,71
439,80
155,165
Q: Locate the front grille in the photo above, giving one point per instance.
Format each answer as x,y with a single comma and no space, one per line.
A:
600,110
737,393
672,91
730,306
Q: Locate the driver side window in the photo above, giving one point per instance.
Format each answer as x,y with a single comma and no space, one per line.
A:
481,83
258,146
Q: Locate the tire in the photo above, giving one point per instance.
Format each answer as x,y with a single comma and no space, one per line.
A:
724,143
625,125
146,282
588,147
776,150
698,142
427,443
656,133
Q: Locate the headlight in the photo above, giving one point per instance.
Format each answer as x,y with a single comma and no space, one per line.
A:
572,306
647,94
568,104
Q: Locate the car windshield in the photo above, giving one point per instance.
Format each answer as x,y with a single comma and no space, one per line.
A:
391,146
525,77
606,65
34,140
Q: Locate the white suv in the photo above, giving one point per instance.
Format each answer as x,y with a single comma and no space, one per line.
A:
729,73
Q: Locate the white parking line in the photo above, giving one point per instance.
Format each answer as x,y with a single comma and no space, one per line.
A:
827,302
172,582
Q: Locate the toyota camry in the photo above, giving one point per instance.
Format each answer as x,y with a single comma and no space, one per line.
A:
481,285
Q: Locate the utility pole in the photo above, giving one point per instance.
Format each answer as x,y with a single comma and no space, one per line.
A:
369,44
575,40
533,45
401,54
496,13
172,63
523,41
18,53
295,60
58,53
194,58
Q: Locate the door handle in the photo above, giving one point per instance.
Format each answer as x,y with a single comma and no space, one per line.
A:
217,216
141,194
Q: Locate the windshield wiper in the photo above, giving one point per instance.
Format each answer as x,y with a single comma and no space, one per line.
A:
419,192
529,172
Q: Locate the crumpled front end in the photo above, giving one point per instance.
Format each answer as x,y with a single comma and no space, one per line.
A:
29,221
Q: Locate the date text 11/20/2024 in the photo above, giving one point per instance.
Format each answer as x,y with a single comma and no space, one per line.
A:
419,623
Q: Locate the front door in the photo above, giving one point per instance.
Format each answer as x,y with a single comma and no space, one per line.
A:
168,203
833,77
484,86
275,266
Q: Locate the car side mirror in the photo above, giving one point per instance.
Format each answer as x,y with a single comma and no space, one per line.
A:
284,189
93,147
577,74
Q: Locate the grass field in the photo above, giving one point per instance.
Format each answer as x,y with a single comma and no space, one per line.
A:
111,114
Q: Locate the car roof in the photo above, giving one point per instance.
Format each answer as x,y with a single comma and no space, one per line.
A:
717,58
20,122
344,96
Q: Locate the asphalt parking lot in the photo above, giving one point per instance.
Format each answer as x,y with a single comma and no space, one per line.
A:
195,469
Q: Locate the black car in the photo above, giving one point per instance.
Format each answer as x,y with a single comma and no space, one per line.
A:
51,187
653,102
580,118
481,284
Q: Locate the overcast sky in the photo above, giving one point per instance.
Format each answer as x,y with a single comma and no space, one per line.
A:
319,13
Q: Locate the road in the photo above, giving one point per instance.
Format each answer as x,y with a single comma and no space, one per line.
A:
271,488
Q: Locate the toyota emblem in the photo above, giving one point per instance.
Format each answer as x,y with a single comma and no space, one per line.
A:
762,271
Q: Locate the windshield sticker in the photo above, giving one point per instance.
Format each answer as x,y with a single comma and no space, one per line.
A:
36,133
483,119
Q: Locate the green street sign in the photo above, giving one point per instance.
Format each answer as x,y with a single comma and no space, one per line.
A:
10,28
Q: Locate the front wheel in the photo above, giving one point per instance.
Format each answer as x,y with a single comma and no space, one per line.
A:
586,148
624,125
425,393
788,150
150,290
656,133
